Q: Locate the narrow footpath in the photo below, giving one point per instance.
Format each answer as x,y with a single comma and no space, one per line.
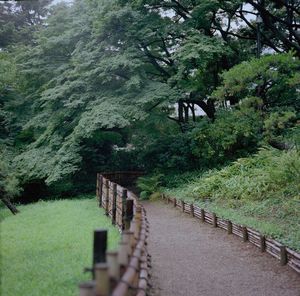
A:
190,258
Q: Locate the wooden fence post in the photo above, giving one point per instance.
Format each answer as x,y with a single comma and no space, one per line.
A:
123,257
245,233
192,210
113,269
182,204
174,202
124,198
107,198
202,215
100,245
214,220
87,289
97,186
262,243
229,227
128,213
102,279
283,255
114,203
100,190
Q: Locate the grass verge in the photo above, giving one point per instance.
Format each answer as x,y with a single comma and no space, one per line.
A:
45,248
261,191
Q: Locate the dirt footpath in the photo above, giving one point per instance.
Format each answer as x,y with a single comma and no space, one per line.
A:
190,258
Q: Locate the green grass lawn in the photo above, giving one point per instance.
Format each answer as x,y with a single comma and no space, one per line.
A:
45,248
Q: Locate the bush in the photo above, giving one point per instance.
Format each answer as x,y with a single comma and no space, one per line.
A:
149,185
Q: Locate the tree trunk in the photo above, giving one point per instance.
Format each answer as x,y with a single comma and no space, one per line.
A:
9,205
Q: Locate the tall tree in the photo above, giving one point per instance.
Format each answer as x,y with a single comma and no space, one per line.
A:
20,19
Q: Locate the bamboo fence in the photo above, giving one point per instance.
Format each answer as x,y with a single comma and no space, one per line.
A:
125,272
271,246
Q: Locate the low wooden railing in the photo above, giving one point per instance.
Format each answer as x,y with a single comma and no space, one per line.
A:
271,246
126,271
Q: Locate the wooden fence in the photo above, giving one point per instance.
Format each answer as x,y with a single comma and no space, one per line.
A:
123,178
126,271
271,246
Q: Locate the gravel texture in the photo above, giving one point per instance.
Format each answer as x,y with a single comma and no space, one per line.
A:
193,258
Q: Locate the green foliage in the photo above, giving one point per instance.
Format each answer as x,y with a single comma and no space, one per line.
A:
104,74
269,173
265,183
9,184
273,78
278,122
49,244
149,185
232,134
20,19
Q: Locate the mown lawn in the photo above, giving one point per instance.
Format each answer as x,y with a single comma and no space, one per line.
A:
45,248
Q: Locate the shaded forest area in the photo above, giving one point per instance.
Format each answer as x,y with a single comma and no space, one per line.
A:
162,86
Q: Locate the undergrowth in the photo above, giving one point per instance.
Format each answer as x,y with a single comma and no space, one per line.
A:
262,191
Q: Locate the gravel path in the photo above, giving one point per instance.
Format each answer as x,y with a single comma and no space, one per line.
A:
192,258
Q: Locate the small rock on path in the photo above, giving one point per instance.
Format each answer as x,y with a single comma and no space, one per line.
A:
190,258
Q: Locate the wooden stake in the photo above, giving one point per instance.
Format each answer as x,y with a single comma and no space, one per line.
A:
107,198
192,210
229,227
214,220
123,253
100,245
262,243
114,203
127,237
202,215
283,255
113,269
182,205
124,197
100,191
102,279
128,213
174,202
87,288
245,233
97,186
138,221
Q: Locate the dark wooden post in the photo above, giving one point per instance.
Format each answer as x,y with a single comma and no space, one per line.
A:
128,213
174,202
245,233
100,246
202,215
182,204
100,189
97,186
262,243
283,255
214,220
114,203
107,198
229,227
124,198
192,210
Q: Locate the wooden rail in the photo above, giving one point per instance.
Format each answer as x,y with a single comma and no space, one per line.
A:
125,272
271,246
